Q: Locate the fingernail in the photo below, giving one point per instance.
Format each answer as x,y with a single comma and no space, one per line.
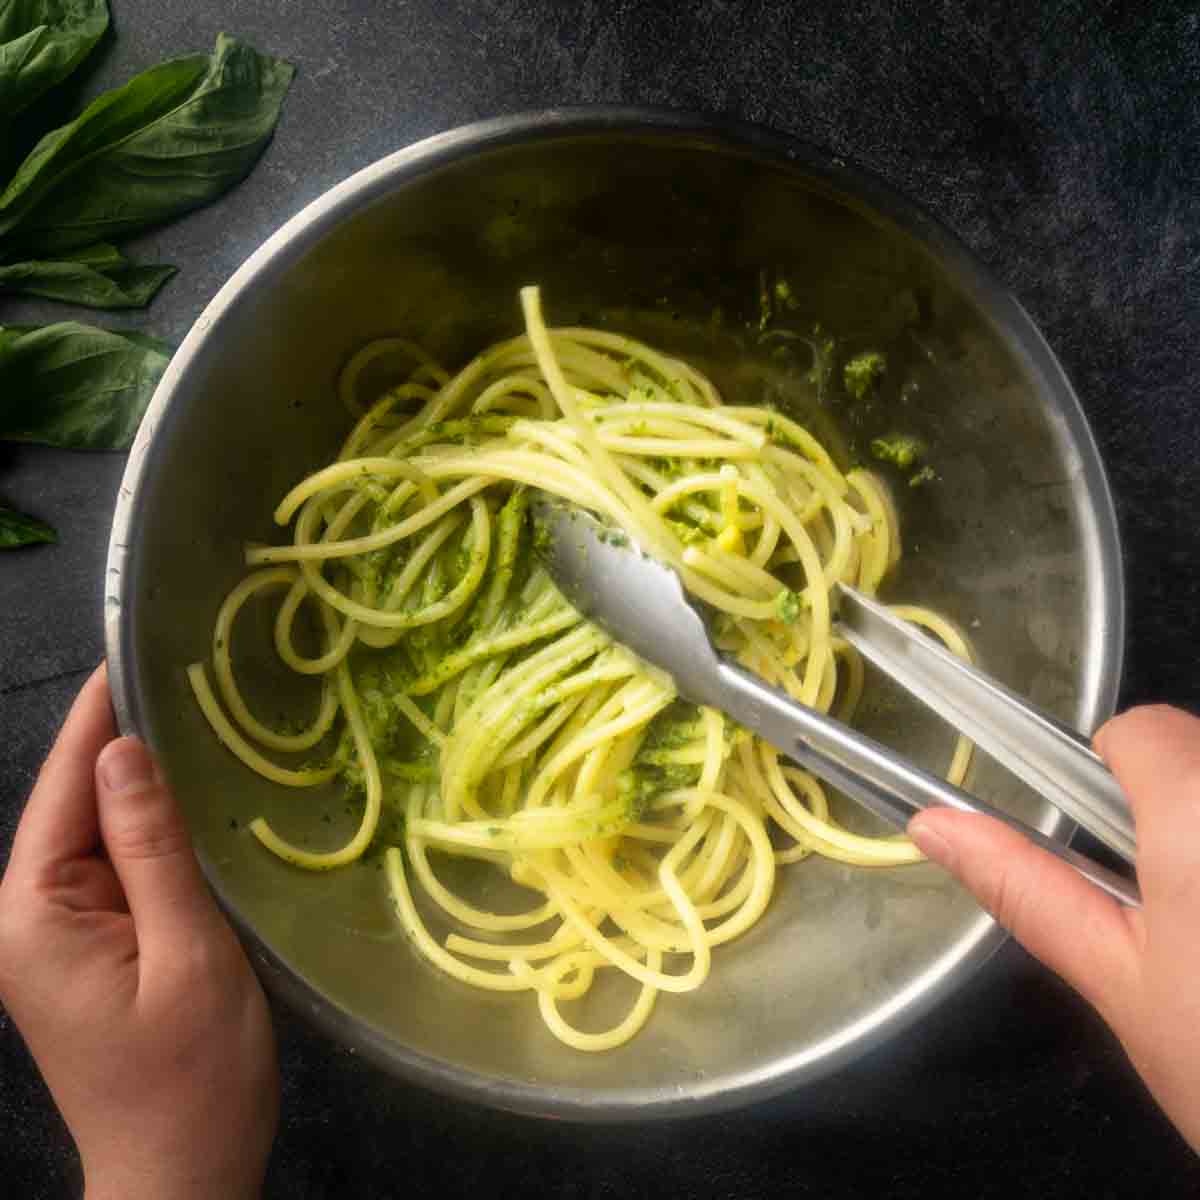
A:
126,767
931,843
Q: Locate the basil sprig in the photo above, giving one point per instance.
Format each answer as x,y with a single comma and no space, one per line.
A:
173,138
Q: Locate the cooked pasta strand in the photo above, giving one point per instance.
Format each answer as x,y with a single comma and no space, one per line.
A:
461,692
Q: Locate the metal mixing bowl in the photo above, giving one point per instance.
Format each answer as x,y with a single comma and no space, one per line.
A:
664,226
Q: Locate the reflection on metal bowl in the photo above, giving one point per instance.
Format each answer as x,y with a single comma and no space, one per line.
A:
665,227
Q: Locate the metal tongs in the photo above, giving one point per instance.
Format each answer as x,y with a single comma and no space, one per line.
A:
641,604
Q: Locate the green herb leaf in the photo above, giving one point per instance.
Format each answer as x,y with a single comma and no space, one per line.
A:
75,385
16,529
174,138
99,276
41,43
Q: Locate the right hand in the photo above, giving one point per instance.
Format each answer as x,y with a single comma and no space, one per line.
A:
1140,970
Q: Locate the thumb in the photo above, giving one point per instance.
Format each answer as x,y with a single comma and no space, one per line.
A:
1060,918
150,850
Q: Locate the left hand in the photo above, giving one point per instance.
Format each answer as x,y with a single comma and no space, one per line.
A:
130,988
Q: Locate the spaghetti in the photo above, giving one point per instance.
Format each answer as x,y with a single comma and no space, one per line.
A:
466,697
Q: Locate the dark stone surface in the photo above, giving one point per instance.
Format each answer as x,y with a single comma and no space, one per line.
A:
1062,142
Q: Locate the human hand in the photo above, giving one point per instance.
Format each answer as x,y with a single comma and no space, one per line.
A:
1140,970
132,992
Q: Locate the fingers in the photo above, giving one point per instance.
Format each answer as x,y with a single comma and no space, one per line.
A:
59,823
151,852
1076,930
1155,754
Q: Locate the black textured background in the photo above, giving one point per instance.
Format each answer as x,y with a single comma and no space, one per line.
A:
1062,142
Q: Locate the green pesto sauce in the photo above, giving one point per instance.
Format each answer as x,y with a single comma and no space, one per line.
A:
902,449
789,605
862,372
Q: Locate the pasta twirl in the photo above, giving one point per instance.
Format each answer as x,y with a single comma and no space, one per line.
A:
463,694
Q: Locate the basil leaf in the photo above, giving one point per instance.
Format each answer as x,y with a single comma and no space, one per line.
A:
173,138
41,43
74,385
16,529
99,276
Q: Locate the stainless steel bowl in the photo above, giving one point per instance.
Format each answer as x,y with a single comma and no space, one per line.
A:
663,225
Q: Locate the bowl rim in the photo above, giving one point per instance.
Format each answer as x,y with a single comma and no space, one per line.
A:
983,937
